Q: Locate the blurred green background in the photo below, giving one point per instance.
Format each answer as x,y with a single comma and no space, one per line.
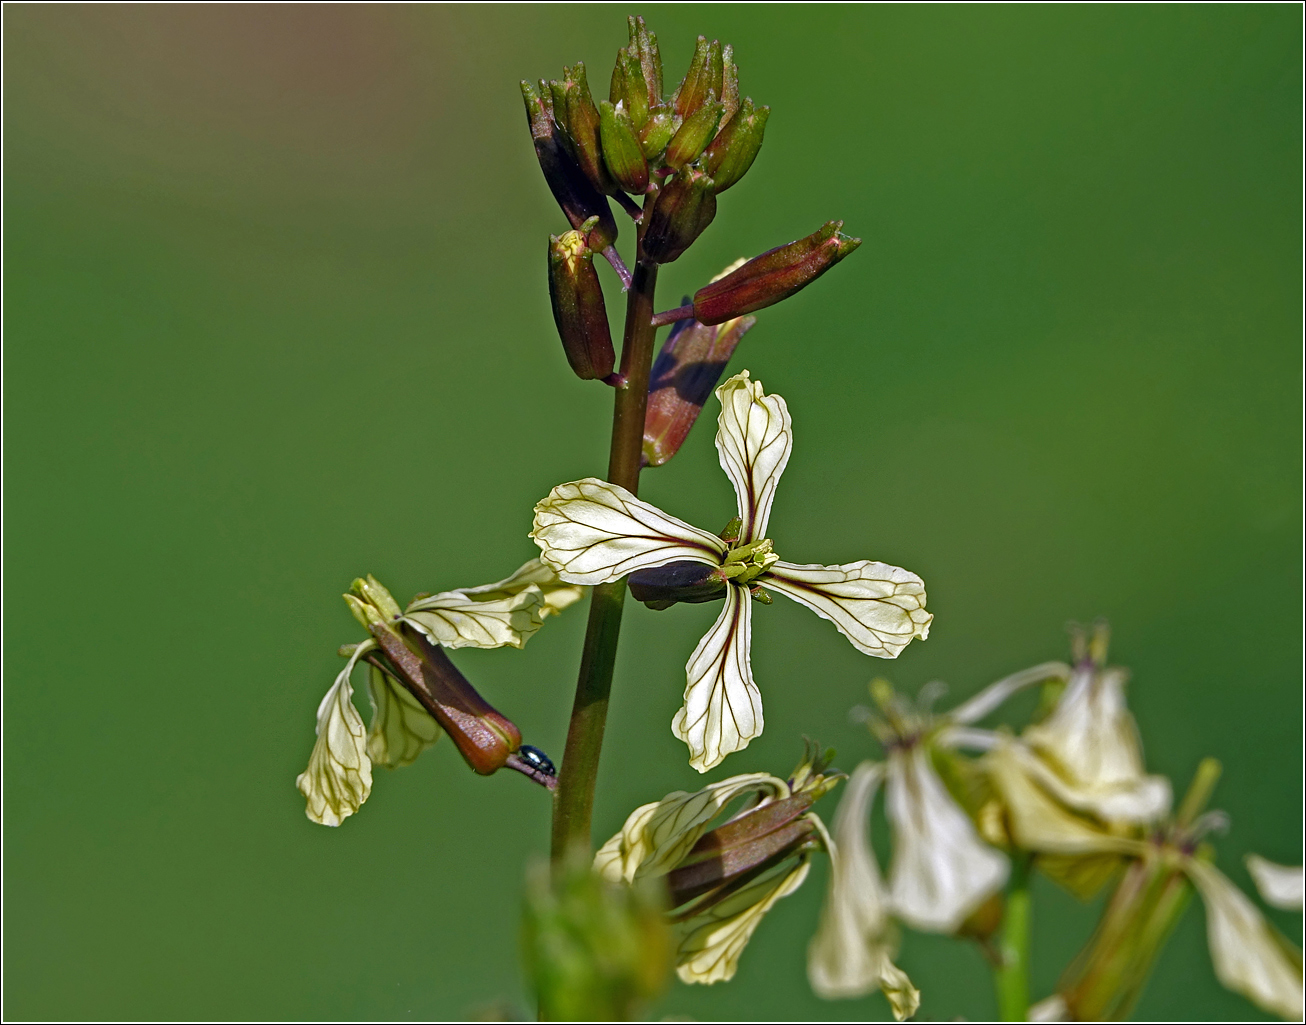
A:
276,316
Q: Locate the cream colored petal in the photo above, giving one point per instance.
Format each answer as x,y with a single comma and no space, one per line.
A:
556,592
754,439
656,836
941,869
455,620
1280,886
851,953
711,943
401,728
339,774
879,608
987,700
1248,955
593,532
723,708
1037,821
1051,1008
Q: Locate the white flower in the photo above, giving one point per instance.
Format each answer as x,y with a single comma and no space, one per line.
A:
852,951
593,532
1280,886
721,888
401,728
339,774
941,869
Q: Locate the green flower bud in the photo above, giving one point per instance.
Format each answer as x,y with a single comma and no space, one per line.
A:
629,89
706,74
695,133
683,209
773,276
575,193
655,135
644,48
578,117
735,148
578,308
621,149
729,84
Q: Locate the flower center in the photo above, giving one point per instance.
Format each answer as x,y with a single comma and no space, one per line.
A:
746,563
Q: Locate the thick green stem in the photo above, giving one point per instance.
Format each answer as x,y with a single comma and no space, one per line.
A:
573,800
1011,977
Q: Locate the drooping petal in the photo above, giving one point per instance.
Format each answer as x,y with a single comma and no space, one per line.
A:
656,836
977,707
723,708
851,953
454,619
1280,886
339,774
1249,956
556,592
941,869
593,532
712,942
401,728
754,439
878,607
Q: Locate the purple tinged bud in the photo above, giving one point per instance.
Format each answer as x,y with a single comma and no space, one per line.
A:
691,362
773,276
684,208
644,48
629,89
706,74
690,582
578,117
575,193
729,84
735,148
694,134
621,149
578,308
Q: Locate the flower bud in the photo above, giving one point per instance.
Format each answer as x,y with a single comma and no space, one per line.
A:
736,146
775,275
690,582
576,115
629,88
686,370
695,133
621,149
706,74
655,135
684,208
484,737
575,193
729,84
644,48
578,308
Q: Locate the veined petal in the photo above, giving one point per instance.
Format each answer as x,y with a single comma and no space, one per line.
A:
454,619
723,708
852,951
1138,800
593,532
941,869
1280,886
557,594
754,439
977,707
656,836
401,728
711,943
1248,955
878,607
339,774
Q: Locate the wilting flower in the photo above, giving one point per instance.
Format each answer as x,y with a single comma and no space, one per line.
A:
593,532
852,951
417,693
721,882
1280,886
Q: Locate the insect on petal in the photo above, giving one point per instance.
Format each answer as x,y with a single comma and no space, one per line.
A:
754,439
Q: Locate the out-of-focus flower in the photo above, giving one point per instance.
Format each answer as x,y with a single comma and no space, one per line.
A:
853,949
593,532
722,881
1280,886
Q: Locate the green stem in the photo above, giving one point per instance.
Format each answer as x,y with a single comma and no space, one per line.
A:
573,800
1011,977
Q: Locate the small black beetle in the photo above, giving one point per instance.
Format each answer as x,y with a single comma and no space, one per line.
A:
536,759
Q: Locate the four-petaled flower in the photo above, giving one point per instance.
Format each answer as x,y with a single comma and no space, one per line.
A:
593,532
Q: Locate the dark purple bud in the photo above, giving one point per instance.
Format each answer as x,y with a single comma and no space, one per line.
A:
706,74
621,149
578,308
773,276
575,193
735,148
690,582
684,207
686,370
694,135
